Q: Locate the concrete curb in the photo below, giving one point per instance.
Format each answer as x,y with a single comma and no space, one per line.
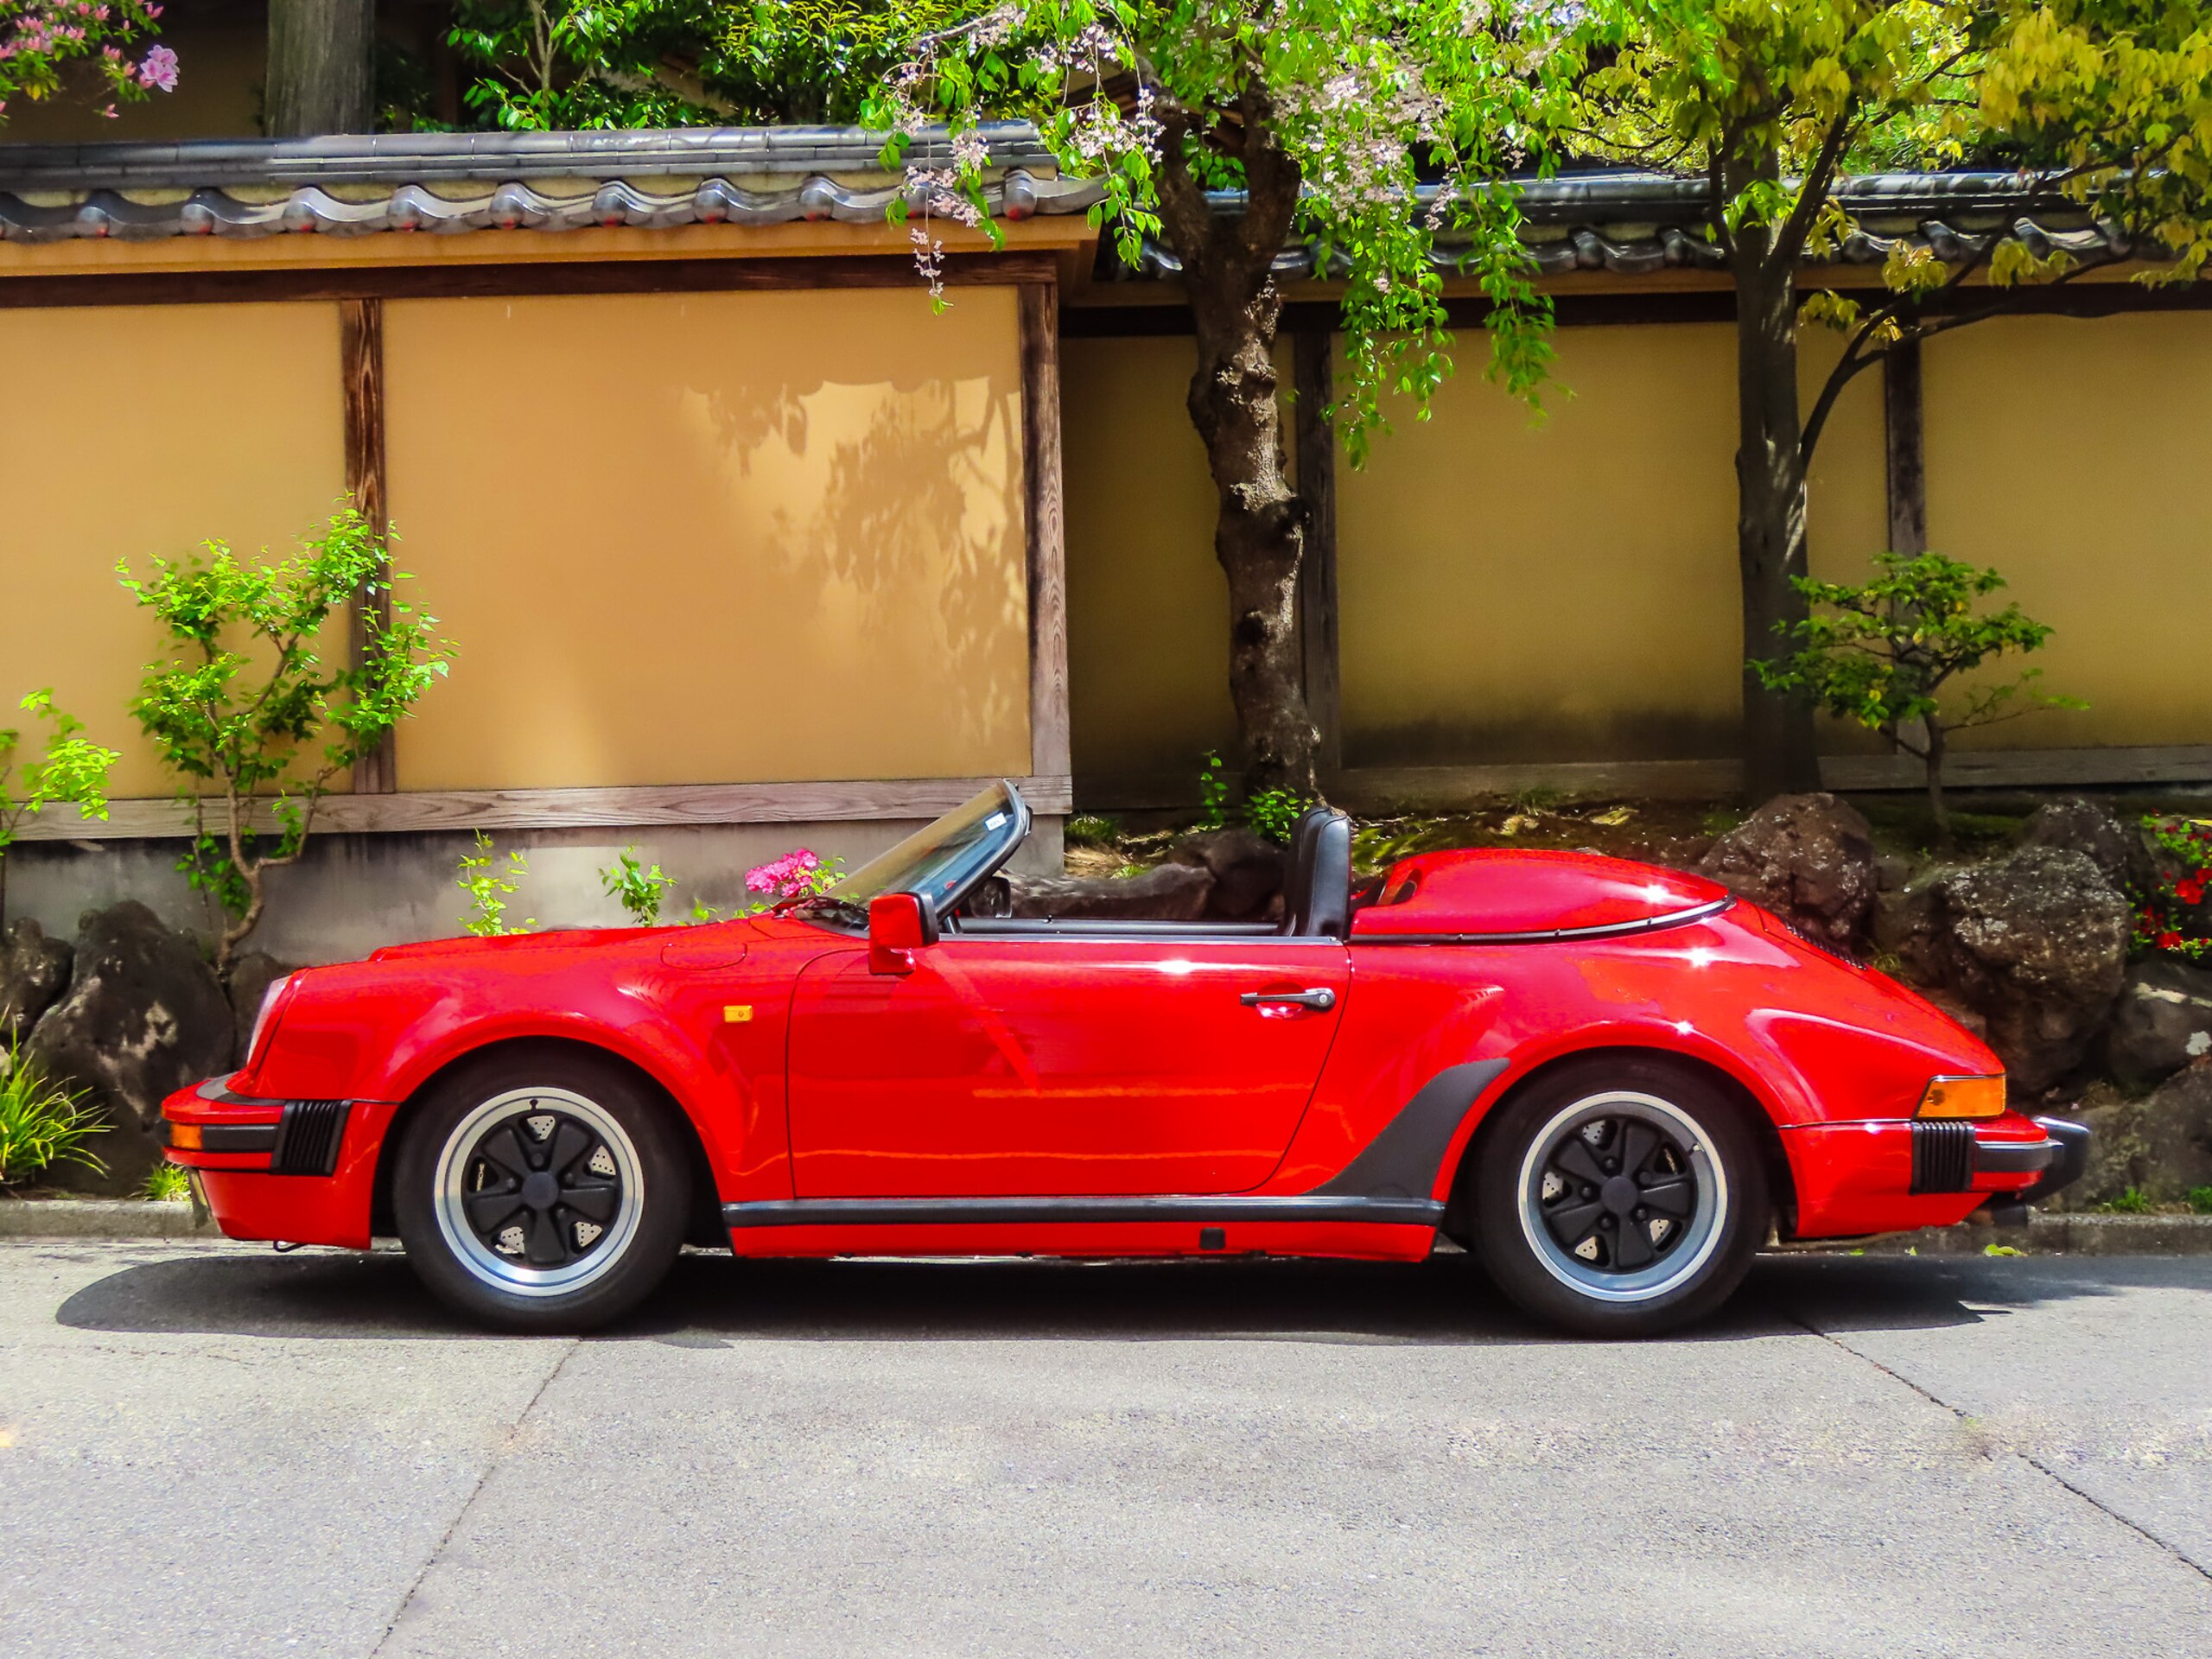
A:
2059,1233
103,1218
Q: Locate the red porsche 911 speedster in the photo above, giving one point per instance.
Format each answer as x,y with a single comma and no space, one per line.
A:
1611,1082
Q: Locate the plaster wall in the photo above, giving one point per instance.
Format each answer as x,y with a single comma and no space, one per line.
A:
695,539
153,429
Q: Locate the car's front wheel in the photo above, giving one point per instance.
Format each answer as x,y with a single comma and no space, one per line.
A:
541,1194
1620,1197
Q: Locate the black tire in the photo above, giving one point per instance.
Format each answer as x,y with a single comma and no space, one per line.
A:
1558,1232
542,1192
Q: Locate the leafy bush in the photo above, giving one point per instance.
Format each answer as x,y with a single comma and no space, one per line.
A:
2200,1200
71,771
1886,648
2132,1202
1274,813
489,888
238,710
41,1123
638,889
1213,792
2172,916
1090,830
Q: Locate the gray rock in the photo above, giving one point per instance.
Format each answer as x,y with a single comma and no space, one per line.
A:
1903,925
2160,1145
33,971
1174,892
1808,858
2163,1020
2036,944
2116,849
1247,871
252,975
143,1016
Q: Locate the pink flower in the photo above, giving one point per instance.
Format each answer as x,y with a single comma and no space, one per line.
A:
159,71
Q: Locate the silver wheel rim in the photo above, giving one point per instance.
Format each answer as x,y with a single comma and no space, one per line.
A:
462,1177
1689,1241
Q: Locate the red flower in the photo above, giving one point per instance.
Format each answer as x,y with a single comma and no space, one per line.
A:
2169,941
2190,888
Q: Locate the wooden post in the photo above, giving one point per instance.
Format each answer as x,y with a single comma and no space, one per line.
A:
1316,447
1905,447
1048,580
360,346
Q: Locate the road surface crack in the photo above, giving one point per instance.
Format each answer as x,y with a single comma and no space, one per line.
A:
2028,1458
498,1455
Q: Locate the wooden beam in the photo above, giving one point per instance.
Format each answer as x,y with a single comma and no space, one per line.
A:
1315,442
1047,530
1905,447
492,280
577,809
1381,789
361,350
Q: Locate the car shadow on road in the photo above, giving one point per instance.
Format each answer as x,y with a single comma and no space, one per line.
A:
713,1300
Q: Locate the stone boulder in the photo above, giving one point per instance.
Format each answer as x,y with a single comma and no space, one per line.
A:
2116,849
1808,858
2036,944
1168,892
2163,1020
252,975
2160,1145
144,1015
1246,869
33,971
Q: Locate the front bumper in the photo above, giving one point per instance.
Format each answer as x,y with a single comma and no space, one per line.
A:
210,1127
301,1170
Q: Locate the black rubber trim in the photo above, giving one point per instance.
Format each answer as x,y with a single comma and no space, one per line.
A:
1942,1155
2068,1164
2013,1157
942,1212
308,1137
1557,935
1402,1161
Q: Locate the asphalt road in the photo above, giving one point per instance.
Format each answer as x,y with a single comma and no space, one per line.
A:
216,1451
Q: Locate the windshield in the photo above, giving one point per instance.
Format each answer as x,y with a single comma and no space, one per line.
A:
940,863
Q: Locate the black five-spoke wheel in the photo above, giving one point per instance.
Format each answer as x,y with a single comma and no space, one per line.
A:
542,1186
1616,1193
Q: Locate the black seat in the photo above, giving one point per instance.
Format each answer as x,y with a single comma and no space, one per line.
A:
1317,887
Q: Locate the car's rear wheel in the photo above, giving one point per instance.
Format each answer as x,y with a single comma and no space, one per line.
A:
542,1194
1620,1197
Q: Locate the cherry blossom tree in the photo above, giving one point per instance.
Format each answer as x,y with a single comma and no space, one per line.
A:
49,47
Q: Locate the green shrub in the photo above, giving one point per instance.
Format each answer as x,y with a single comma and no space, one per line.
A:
41,1123
2133,1202
166,1184
638,889
489,888
1274,813
1213,792
2200,1200
1090,830
238,710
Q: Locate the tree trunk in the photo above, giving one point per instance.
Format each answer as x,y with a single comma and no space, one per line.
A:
1260,530
322,67
1933,757
1778,753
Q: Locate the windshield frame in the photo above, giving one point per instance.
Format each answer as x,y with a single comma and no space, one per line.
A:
844,909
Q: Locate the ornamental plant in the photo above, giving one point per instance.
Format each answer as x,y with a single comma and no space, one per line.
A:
46,44
41,1122
256,727
489,887
638,888
2173,917
1886,650
71,771
798,874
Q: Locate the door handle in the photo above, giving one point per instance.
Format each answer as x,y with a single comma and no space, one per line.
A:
1321,1000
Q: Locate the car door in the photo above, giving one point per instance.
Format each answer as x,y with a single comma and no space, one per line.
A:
1049,1066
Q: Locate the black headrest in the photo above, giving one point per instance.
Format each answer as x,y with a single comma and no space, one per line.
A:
1317,893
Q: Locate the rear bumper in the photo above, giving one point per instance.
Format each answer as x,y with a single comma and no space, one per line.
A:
1894,1175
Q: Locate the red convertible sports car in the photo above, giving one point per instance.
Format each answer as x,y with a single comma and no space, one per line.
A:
1611,1082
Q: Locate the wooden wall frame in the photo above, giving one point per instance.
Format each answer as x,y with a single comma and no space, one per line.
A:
360,350
1904,448
1045,530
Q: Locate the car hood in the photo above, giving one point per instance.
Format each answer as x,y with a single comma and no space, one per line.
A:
1508,893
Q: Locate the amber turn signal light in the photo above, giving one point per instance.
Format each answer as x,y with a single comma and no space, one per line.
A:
1963,1098
185,1137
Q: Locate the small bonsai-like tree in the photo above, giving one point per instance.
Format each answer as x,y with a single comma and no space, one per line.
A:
72,772
1885,649
638,887
238,710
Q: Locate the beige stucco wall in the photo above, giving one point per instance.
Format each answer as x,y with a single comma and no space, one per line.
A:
134,431
692,538
1147,604
2071,455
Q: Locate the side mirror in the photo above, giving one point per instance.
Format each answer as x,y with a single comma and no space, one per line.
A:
898,923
